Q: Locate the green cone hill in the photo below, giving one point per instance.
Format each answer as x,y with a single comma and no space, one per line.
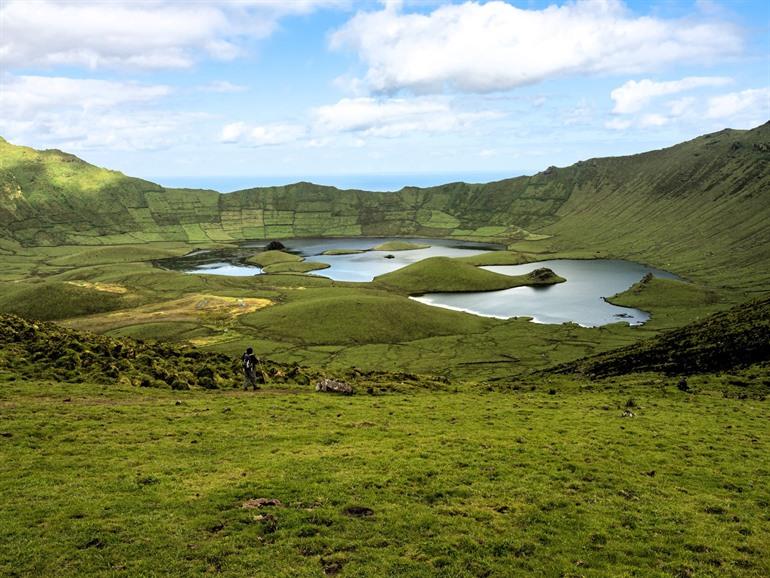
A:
697,208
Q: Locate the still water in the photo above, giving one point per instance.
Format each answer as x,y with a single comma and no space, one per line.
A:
579,300
360,267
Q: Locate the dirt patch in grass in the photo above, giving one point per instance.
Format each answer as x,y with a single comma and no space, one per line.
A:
96,286
195,307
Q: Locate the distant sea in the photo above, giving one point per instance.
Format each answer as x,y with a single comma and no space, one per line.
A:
383,182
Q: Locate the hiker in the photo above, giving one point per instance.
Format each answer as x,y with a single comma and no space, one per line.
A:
249,361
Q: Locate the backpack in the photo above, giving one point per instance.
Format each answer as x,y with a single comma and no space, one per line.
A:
248,361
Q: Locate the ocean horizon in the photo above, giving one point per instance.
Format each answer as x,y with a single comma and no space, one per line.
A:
367,182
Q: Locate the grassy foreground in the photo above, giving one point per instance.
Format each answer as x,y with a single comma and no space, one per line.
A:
545,480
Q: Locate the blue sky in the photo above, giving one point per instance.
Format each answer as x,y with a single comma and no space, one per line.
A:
319,88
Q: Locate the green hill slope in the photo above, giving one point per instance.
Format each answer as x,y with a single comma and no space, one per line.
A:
702,206
731,339
699,208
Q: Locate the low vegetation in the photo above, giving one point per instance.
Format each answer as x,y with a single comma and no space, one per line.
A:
737,338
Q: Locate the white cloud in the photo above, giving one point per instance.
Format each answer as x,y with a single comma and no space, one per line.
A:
394,117
634,95
222,86
492,46
23,96
681,106
653,120
755,101
361,118
77,113
582,113
151,34
77,130
618,124
261,135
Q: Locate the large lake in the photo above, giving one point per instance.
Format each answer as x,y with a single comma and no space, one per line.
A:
581,299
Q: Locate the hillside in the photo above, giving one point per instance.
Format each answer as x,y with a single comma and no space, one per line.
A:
696,208
725,341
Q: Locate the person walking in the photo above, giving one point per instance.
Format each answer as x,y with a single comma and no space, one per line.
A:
249,362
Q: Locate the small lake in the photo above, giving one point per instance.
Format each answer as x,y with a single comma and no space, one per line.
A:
579,300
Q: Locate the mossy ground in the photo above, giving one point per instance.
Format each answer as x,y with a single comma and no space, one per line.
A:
546,479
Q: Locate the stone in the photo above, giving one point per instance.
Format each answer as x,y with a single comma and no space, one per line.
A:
334,386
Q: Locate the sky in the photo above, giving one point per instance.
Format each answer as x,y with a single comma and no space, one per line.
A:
218,91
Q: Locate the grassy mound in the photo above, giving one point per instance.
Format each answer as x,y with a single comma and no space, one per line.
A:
60,300
443,274
739,337
267,258
295,267
359,318
674,302
399,246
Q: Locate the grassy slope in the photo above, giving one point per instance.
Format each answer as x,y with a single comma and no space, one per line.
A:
674,303
738,337
700,208
49,300
445,274
110,481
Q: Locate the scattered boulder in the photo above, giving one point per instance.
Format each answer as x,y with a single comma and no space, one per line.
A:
334,386
682,385
275,246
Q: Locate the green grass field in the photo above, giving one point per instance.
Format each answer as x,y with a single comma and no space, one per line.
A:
546,479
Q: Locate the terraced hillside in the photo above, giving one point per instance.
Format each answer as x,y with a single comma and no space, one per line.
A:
696,208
